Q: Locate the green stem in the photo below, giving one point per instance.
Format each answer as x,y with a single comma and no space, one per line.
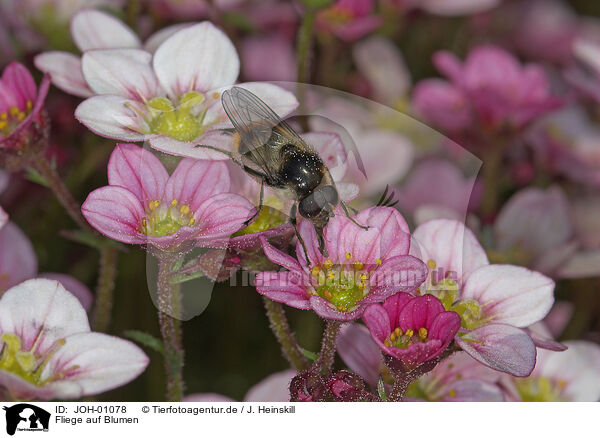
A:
491,178
281,329
169,303
305,40
107,274
325,361
303,54
60,190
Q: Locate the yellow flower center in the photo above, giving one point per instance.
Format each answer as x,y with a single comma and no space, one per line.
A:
184,121
267,219
405,339
10,119
165,219
539,389
344,285
28,364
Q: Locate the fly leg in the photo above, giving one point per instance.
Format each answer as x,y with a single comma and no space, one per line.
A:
300,239
345,207
260,203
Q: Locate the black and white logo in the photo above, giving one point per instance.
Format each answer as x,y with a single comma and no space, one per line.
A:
26,417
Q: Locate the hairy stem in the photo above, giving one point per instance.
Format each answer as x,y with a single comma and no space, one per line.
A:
326,356
281,329
62,193
107,274
169,307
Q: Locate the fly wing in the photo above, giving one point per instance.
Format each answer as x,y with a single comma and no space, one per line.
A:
261,130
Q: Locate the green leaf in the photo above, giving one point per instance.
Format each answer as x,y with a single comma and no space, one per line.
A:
381,389
89,239
309,354
146,339
33,175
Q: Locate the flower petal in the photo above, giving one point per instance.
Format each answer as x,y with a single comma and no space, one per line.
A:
18,261
193,181
112,117
195,149
325,309
577,368
283,287
273,388
19,81
420,312
116,213
501,347
197,58
222,215
377,319
122,72
102,363
358,351
156,39
451,245
41,312
65,71
395,234
137,170
74,286
309,236
510,294
93,29
280,258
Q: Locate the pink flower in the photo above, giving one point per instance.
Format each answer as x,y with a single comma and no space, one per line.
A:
21,118
412,330
381,63
3,183
457,378
19,263
143,204
257,54
535,229
362,266
170,98
48,351
457,7
493,301
349,119
490,89
438,189
273,388
349,20
566,144
570,375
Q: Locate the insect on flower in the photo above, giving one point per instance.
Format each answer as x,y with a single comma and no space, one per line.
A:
268,149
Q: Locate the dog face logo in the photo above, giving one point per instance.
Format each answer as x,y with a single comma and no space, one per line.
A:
26,417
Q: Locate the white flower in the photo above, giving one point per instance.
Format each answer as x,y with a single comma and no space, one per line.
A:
48,351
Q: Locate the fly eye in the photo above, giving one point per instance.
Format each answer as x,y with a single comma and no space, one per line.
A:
311,206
